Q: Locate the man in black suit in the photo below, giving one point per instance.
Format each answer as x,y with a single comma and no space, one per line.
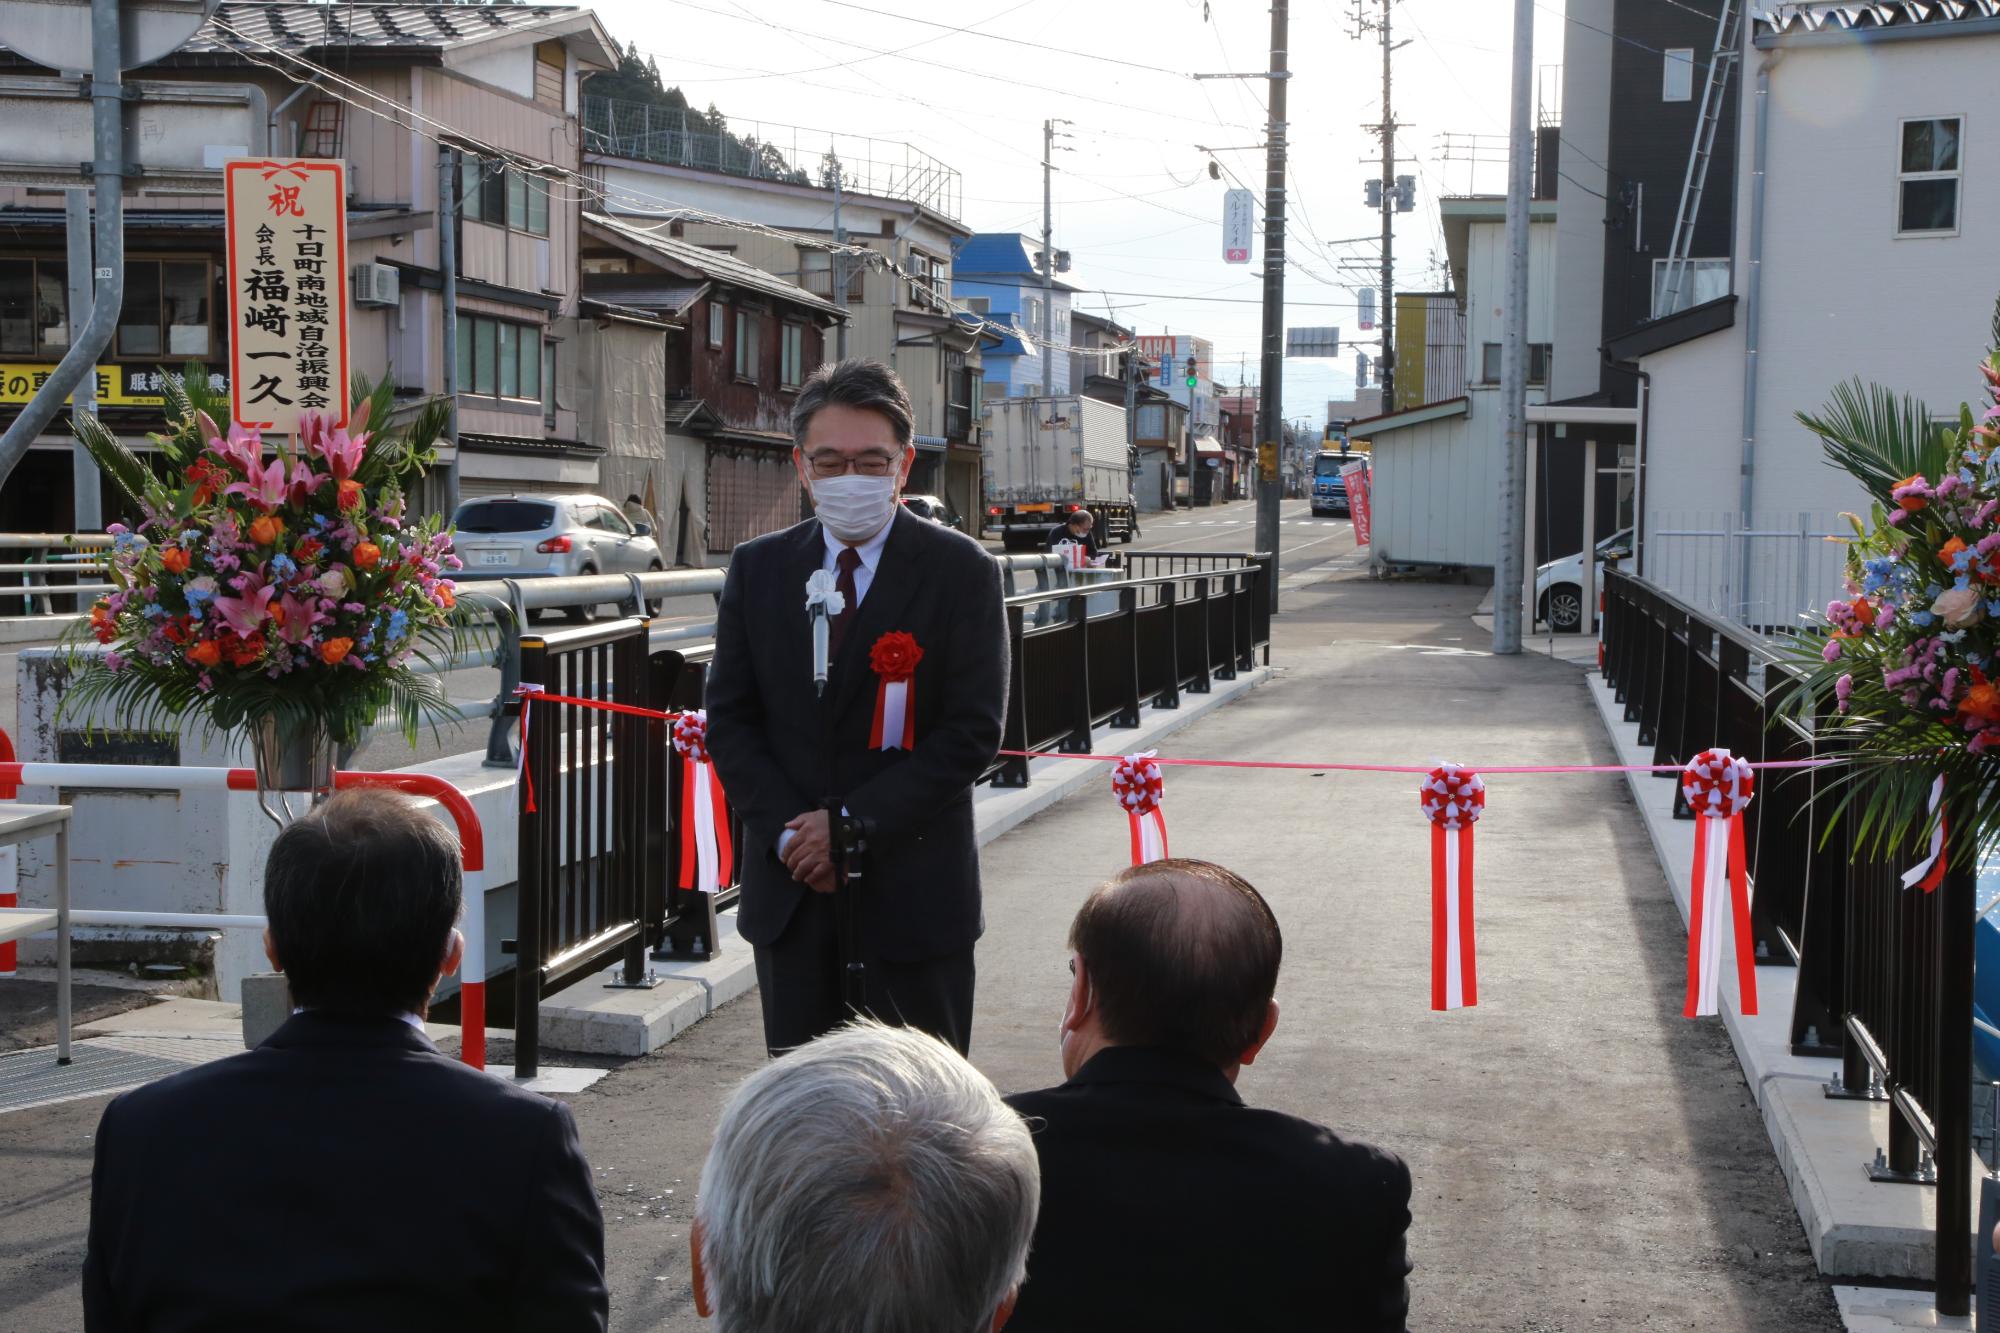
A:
345,1175
785,751
1079,529
1152,1166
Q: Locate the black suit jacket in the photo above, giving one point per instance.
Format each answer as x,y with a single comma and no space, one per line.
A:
1168,1204
344,1175
782,750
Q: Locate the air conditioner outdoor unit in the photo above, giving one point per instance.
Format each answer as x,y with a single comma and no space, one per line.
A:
377,285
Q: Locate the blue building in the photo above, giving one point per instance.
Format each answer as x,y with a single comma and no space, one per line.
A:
994,274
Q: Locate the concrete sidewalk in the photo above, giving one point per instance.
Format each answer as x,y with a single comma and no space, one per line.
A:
1584,1157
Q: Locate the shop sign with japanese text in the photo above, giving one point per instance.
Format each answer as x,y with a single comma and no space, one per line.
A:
287,225
117,386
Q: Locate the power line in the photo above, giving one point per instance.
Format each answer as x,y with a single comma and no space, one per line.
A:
951,29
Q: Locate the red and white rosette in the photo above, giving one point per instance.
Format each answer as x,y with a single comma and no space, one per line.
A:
1137,783
894,659
1928,873
1718,787
1453,798
705,851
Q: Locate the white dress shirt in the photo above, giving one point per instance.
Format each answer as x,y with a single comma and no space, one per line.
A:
871,556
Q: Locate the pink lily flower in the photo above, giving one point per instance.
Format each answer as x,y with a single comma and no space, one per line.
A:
304,482
301,615
342,452
265,486
246,612
243,447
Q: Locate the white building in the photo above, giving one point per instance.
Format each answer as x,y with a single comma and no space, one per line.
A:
1437,465
1865,231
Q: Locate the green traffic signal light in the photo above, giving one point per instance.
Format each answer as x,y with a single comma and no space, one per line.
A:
1190,381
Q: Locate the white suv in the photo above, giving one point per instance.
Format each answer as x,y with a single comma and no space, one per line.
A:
551,536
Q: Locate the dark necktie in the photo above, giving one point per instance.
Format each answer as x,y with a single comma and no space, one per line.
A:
847,562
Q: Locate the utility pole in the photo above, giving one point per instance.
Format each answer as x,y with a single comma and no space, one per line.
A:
1510,534
837,270
1271,404
447,226
1048,261
1388,302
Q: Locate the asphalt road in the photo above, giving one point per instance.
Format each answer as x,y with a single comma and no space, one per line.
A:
1584,1158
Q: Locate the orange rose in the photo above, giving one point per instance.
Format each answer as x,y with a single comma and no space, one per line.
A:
175,559
266,530
205,654
350,495
1911,503
446,598
895,656
367,555
334,651
100,613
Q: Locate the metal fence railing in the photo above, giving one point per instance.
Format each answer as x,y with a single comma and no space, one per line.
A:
1884,976
599,869
50,574
1760,570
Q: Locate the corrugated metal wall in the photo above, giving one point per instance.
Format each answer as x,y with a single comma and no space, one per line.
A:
1433,489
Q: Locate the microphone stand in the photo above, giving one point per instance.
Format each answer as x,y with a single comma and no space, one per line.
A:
846,835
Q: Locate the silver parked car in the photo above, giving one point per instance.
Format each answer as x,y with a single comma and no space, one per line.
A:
551,536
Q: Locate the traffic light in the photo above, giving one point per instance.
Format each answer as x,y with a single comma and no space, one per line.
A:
1406,194
1192,378
1371,193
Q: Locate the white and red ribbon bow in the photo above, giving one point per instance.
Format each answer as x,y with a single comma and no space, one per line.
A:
1453,799
1928,873
1137,783
894,659
1718,786
706,855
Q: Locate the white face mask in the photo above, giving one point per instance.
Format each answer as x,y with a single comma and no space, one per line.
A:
854,508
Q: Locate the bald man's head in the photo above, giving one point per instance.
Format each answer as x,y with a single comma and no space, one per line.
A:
1182,955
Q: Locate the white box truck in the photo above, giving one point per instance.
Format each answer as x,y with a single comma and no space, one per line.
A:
1046,458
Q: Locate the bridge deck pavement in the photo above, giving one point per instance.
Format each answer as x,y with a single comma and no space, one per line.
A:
1584,1157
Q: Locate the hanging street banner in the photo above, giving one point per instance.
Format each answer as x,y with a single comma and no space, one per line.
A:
1355,476
287,239
1239,224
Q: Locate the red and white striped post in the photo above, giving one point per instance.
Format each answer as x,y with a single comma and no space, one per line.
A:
10,865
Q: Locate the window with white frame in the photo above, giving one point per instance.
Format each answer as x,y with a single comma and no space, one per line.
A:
1032,315
1489,363
1928,174
792,356
1701,281
718,323
1677,74
746,345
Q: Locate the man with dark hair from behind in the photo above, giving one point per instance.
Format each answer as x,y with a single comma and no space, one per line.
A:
1153,1169
345,1174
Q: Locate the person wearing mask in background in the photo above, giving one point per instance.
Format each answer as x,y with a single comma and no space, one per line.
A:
909,718
1079,529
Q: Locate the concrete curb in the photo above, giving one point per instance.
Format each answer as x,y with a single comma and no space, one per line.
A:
589,1017
1856,1227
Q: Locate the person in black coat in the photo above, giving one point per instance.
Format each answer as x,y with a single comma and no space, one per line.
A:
909,719
344,1174
1154,1170
1080,529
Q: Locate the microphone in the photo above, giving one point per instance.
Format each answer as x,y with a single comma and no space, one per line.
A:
823,602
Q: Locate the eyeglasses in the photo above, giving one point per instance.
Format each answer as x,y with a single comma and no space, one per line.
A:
827,463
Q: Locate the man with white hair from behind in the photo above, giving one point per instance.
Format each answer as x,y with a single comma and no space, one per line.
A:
870,1181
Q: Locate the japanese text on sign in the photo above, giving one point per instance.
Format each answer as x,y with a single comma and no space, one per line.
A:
1360,504
287,290
116,386
1238,224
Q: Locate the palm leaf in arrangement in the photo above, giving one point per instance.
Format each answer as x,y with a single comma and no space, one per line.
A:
110,454
1879,437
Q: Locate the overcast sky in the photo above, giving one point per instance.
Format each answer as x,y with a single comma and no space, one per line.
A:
1134,202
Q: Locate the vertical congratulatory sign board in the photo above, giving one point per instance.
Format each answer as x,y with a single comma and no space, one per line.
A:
287,225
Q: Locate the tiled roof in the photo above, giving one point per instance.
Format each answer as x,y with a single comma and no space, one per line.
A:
305,27
702,262
1786,19
621,290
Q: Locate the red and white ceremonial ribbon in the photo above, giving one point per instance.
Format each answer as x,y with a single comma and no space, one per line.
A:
1718,786
705,851
1453,799
526,693
894,659
1140,787
1928,873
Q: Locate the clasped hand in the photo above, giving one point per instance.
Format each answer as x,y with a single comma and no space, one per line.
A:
808,853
